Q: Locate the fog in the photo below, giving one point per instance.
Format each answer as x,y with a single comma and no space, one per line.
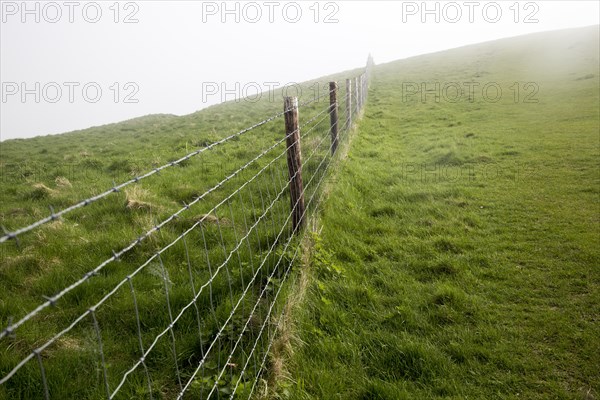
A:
71,65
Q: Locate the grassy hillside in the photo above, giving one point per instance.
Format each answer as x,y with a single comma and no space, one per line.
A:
236,257
458,255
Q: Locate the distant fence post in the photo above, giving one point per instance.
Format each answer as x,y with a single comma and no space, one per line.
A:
294,161
366,88
360,92
348,103
356,94
333,114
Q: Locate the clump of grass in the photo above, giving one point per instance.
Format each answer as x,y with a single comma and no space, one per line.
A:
91,164
40,191
437,270
450,305
184,223
449,296
62,182
211,219
136,198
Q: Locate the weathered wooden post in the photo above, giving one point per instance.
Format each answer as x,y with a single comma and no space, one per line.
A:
294,161
360,92
365,87
356,94
348,103
333,115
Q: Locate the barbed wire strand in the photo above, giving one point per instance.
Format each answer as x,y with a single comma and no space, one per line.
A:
116,255
266,320
117,188
272,304
248,287
91,311
88,275
286,274
210,282
115,289
270,343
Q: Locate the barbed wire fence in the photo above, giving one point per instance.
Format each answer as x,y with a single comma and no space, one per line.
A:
198,316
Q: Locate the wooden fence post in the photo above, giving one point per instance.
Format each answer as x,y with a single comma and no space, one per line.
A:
333,114
348,103
356,100
365,87
360,92
294,161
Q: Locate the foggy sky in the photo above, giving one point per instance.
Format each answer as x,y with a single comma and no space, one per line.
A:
84,64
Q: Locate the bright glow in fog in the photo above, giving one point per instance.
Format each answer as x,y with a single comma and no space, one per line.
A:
67,66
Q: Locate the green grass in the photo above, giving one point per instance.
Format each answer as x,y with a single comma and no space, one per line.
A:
458,256
459,253
58,171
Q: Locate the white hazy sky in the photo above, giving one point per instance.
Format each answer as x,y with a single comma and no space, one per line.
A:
169,51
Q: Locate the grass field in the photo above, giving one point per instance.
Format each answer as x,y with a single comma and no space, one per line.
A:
234,262
455,256
459,255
